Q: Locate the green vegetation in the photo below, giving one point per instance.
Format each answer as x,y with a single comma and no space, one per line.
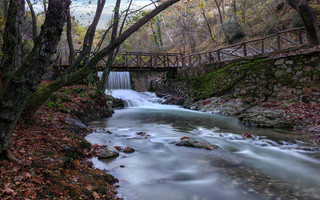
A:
222,80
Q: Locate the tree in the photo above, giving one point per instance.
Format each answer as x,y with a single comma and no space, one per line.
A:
21,85
23,81
34,21
12,42
5,8
102,86
82,69
309,20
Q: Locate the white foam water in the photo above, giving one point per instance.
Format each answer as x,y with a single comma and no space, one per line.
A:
119,80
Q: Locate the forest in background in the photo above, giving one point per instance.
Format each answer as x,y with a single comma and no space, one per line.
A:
189,26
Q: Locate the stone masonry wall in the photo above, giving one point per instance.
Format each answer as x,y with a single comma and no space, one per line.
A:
295,77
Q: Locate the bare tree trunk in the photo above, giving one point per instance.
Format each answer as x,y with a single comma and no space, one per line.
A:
123,23
34,21
44,2
244,12
106,72
26,79
5,8
208,26
234,7
39,97
88,39
220,15
192,42
309,20
12,42
102,39
69,38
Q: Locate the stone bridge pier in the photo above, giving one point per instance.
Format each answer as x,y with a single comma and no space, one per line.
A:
141,80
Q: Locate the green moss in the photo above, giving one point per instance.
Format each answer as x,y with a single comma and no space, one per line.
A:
217,82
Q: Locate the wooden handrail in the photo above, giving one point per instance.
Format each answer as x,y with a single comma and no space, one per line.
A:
245,47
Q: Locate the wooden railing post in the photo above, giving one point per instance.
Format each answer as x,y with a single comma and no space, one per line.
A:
177,61
199,57
245,50
183,61
140,61
218,54
126,57
300,37
278,41
262,46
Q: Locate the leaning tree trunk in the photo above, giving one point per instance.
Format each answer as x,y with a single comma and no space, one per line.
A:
104,80
34,21
12,42
69,38
88,40
309,20
40,97
26,79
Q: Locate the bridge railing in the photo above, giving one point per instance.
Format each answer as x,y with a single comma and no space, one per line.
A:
278,41
146,60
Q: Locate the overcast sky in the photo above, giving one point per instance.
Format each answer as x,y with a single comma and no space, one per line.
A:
84,12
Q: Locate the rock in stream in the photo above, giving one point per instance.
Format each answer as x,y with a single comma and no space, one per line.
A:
186,141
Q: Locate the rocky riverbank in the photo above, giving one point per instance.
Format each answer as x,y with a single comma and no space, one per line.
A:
279,91
54,156
297,116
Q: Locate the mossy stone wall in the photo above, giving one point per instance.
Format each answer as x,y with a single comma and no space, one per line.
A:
295,77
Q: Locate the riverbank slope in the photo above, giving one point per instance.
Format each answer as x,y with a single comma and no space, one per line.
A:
53,152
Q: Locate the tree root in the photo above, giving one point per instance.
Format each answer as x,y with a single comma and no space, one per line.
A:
8,155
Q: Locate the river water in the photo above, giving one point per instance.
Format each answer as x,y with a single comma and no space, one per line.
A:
273,164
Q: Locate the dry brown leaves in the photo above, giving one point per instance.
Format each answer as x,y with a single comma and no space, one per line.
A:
41,148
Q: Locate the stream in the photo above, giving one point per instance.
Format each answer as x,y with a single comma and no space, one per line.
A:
273,164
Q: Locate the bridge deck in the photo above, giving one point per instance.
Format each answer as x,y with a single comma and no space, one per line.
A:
125,68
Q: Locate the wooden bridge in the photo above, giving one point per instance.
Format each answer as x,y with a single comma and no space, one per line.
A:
282,40
138,61
146,61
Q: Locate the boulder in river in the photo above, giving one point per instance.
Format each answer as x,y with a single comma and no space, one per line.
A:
186,141
172,100
141,133
128,149
221,105
108,152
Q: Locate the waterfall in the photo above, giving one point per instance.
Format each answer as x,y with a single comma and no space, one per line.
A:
119,86
119,80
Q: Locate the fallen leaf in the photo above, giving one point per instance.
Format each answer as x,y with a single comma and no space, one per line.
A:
17,167
95,195
8,191
75,179
89,187
27,175
18,178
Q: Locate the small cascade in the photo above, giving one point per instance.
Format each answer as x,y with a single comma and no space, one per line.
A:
119,80
119,86
132,98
